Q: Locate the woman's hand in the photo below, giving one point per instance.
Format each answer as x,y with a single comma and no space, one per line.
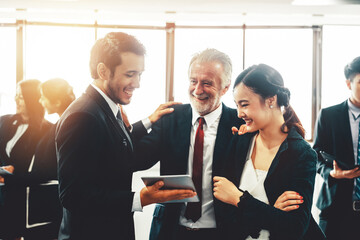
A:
226,191
288,201
242,130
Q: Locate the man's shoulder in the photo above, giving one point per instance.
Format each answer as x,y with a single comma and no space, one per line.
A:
82,109
180,108
335,108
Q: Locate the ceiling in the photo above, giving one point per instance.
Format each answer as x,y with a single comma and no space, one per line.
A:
240,11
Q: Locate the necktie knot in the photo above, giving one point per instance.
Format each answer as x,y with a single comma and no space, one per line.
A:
201,122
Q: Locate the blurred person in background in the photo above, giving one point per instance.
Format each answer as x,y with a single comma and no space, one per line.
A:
19,135
337,133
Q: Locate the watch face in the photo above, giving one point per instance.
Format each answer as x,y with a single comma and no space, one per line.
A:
356,206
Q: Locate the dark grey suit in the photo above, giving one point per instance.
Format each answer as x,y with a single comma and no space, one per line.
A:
169,143
94,172
333,135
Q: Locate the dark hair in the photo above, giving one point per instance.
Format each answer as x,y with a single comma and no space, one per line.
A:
58,89
352,69
267,82
31,94
107,50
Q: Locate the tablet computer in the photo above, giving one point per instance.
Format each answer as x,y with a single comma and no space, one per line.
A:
330,158
174,182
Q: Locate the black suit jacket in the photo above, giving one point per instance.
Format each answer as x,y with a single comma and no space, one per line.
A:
169,142
292,169
95,177
13,193
333,135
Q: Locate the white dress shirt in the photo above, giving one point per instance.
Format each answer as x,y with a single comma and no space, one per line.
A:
207,219
252,180
136,206
354,117
19,132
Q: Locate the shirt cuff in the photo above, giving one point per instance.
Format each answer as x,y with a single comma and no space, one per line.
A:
136,206
147,123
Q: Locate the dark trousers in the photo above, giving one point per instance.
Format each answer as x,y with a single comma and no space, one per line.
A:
197,234
341,225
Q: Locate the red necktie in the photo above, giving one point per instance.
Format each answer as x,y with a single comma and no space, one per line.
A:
193,209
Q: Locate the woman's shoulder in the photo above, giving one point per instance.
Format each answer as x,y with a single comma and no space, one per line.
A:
299,145
8,118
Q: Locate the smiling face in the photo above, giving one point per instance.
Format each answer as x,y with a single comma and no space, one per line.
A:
205,88
252,108
126,78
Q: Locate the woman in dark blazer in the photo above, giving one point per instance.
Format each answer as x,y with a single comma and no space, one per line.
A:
19,136
271,169
43,206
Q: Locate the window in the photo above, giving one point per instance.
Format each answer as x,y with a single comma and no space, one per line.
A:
59,52
337,52
190,41
290,52
8,70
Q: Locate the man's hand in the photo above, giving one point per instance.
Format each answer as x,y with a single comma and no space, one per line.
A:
288,201
226,191
162,110
8,168
338,173
153,194
242,130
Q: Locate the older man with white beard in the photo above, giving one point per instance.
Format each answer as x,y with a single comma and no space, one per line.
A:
191,141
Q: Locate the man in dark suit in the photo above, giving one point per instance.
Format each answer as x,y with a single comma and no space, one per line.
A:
94,149
337,133
172,141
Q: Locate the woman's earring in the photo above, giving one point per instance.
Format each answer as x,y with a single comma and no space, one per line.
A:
271,106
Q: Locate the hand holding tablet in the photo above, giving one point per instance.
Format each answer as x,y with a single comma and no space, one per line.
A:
172,182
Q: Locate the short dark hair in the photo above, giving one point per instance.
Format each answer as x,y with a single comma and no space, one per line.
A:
352,69
107,50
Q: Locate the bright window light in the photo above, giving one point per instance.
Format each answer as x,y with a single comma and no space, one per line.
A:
290,52
8,70
337,52
190,41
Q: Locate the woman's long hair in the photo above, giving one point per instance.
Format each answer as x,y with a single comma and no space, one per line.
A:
267,82
31,94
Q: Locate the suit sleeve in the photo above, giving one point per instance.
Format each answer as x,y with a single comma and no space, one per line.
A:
148,149
285,225
323,143
138,130
84,185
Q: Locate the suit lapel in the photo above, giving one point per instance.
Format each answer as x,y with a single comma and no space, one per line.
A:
93,94
346,131
242,148
183,138
223,135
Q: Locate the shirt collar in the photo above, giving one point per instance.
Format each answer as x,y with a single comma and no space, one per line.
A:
113,106
353,109
210,118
